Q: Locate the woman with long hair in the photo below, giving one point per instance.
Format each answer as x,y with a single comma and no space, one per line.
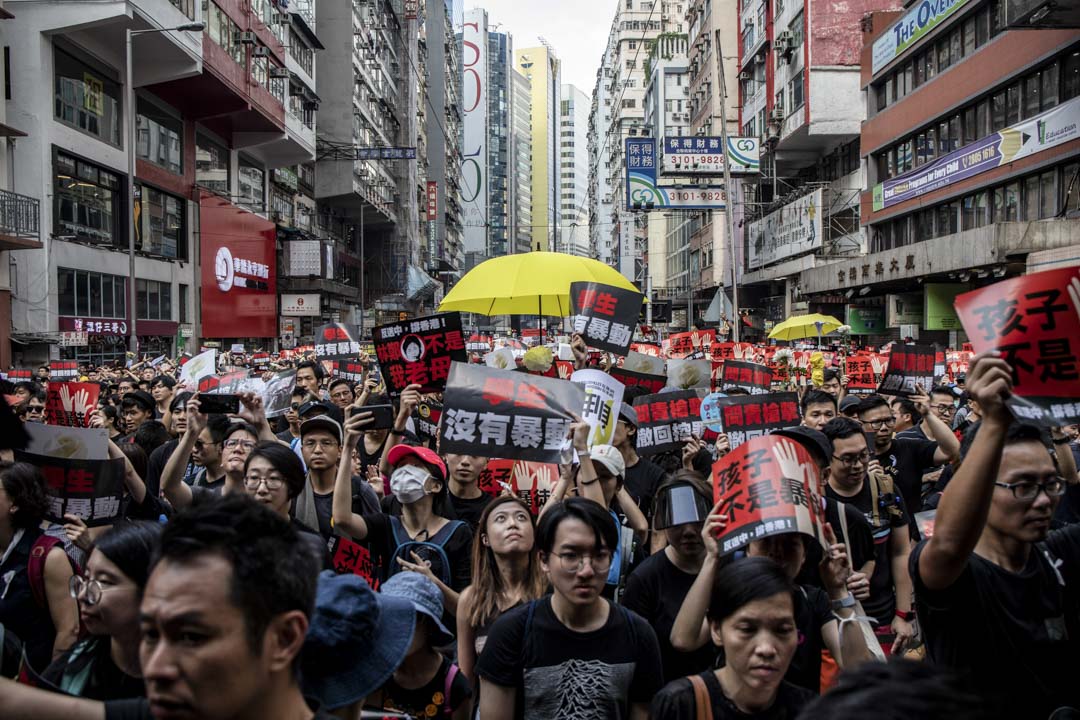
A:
505,573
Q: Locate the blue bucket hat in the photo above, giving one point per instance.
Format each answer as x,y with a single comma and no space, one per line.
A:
356,640
425,597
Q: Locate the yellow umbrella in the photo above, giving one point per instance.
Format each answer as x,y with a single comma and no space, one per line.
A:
532,283
804,326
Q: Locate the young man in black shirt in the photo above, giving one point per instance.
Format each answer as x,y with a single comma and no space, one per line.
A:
571,654
466,496
643,477
996,590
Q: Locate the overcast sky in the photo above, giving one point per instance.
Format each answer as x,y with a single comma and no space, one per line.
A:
577,29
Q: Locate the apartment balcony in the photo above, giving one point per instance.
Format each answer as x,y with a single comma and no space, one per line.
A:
20,221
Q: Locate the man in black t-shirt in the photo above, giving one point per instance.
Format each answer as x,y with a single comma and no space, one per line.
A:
643,477
467,498
571,654
996,590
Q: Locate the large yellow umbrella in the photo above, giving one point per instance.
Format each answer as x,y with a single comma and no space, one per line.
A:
804,326
532,283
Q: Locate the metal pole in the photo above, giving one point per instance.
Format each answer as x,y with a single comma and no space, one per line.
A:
129,118
728,191
363,269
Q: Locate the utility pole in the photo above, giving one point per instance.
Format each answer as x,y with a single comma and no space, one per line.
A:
736,321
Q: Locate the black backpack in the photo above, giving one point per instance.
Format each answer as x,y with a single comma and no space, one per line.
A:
431,550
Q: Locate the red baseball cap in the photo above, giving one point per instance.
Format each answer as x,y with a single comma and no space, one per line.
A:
400,452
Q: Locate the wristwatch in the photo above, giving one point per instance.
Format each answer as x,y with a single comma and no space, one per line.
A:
1061,441
906,616
847,601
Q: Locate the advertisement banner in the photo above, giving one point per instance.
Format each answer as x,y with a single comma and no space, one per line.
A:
745,417
667,420
909,365
419,351
603,395
494,413
702,156
755,379
768,486
239,271
335,341
923,17
605,315
644,191
792,230
939,311
1034,322
305,305
474,150
689,374
1042,132
903,309
865,320
71,404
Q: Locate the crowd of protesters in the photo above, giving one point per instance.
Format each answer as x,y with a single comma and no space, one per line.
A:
214,597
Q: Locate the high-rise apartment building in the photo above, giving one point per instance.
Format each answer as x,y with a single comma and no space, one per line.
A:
543,70
521,165
574,172
600,207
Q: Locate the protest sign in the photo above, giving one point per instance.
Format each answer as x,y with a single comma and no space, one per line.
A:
260,361
629,378
426,420
650,349
335,341
642,363
419,351
667,420
1034,322
711,415
859,369
351,558
495,479
687,374
61,370
716,376
71,404
605,315
277,397
768,486
685,344
501,359
531,482
909,365
745,417
225,384
603,395
492,413
755,379
19,375
478,343
351,370
198,367
67,442
732,351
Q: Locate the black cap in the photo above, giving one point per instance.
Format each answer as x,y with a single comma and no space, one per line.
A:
815,441
313,406
141,397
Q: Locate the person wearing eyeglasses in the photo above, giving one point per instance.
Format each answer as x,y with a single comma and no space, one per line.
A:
105,664
33,410
320,443
995,586
855,477
906,459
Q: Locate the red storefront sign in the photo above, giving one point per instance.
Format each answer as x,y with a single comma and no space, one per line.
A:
432,200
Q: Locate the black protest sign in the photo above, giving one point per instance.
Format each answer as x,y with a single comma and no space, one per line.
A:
335,341
426,418
351,371
229,383
605,315
745,417
493,413
89,489
909,365
419,351
749,376
667,420
629,378
277,397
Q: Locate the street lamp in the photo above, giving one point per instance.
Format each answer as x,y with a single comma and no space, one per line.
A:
129,118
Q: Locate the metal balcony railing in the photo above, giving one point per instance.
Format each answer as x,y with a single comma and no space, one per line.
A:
20,216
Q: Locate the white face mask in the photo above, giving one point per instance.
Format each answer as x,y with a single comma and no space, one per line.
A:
407,484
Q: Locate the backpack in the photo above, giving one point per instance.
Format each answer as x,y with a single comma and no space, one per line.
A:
431,550
35,567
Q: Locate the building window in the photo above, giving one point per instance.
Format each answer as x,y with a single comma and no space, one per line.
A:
183,303
223,31
1070,76
85,99
159,137
211,165
252,187
90,294
88,202
796,29
153,300
796,92
159,226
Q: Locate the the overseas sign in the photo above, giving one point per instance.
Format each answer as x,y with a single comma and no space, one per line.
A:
702,156
915,24
643,191
794,229
1042,132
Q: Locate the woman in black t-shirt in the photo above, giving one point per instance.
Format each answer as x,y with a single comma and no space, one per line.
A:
752,617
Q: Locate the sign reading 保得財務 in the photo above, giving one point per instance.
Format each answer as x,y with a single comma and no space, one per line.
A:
792,229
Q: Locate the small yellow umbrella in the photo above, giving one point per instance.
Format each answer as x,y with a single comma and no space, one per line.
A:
532,283
804,326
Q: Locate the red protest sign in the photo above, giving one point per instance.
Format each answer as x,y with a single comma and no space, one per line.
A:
909,365
419,351
71,404
745,417
768,486
859,369
1034,322
682,345
531,482
351,558
646,349
755,379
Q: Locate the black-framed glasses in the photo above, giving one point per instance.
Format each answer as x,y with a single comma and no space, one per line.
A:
233,443
273,482
35,409
849,460
878,424
79,585
944,409
1025,490
573,561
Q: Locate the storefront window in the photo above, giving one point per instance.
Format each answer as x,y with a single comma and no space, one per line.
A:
159,137
211,165
159,227
252,187
89,294
86,99
87,202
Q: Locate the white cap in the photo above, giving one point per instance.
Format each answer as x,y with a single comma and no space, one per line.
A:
609,457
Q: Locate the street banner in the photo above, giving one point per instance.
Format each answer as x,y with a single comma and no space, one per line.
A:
492,413
198,367
629,378
419,351
351,558
71,404
909,365
277,397
351,370
685,344
862,370
640,362
768,486
501,359
687,374
62,370
746,417
426,420
229,383
605,315
603,395
335,341
646,349
1034,322
667,420
755,379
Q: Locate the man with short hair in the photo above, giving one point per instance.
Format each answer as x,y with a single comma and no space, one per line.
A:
136,408
466,496
818,408
161,389
33,409
43,374
309,375
571,654
125,386
834,382
341,393
905,415
320,443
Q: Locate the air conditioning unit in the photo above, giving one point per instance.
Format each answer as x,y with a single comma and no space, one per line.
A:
247,37
278,72
260,51
745,76
282,18
783,40
777,114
